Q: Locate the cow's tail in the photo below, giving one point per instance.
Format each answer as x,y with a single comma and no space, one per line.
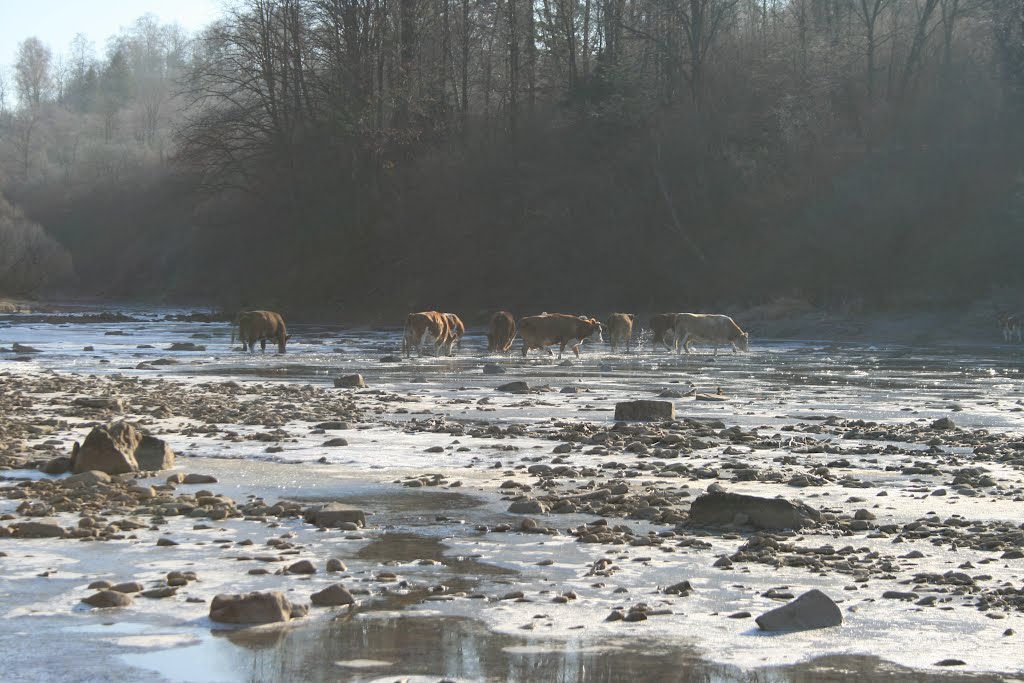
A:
405,336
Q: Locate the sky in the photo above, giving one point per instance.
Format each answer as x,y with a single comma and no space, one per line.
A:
55,22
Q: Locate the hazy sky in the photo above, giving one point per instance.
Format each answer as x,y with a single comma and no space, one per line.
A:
56,22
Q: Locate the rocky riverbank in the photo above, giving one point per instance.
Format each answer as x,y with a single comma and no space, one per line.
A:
596,518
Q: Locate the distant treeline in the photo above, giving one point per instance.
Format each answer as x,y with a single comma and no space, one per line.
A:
534,154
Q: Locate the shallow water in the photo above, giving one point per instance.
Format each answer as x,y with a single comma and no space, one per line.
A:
778,382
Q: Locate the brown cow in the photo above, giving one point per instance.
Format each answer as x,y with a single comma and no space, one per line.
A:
620,328
709,328
663,331
261,326
428,326
456,328
501,333
541,331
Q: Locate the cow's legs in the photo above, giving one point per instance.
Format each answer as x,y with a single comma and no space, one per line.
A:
561,349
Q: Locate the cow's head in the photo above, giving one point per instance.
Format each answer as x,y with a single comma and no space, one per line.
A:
743,342
595,328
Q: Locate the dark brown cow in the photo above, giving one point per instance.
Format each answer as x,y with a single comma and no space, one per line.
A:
620,329
663,331
541,331
501,332
260,326
430,326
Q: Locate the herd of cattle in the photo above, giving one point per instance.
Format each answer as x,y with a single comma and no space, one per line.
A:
444,331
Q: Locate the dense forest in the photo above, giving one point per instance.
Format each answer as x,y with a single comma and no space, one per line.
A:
560,154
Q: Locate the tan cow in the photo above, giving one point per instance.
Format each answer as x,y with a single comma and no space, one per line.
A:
429,326
501,332
663,331
541,331
456,328
260,326
709,328
620,329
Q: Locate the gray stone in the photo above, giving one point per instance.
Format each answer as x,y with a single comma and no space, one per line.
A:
154,455
251,608
720,509
90,478
943,423
57,465
518,387
332,596
493,369
334,515
108,448
108,598
302,567
43,528
645,410
355,381
101,403
528,507
812,610
193,478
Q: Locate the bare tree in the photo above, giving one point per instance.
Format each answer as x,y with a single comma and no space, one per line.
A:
868,11
32,75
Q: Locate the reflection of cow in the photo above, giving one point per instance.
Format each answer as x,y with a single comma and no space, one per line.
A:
541,331
620,329
1012,325
501,332
455,327
429,326
663,331
710,329
260,326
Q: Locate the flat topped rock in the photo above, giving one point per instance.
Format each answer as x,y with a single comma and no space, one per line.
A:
645,411
718,508
812,610
517,387
186,346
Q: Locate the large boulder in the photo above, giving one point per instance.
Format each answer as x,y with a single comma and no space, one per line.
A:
332,596
811,610
154,454
42,528
719,508
108,598
251,608
108,448
334,515
645,411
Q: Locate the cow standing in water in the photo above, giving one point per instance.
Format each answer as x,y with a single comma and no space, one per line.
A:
456,328
541,331
663,331
620,329
260,326
501,332
1012,325
432,327
709,328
